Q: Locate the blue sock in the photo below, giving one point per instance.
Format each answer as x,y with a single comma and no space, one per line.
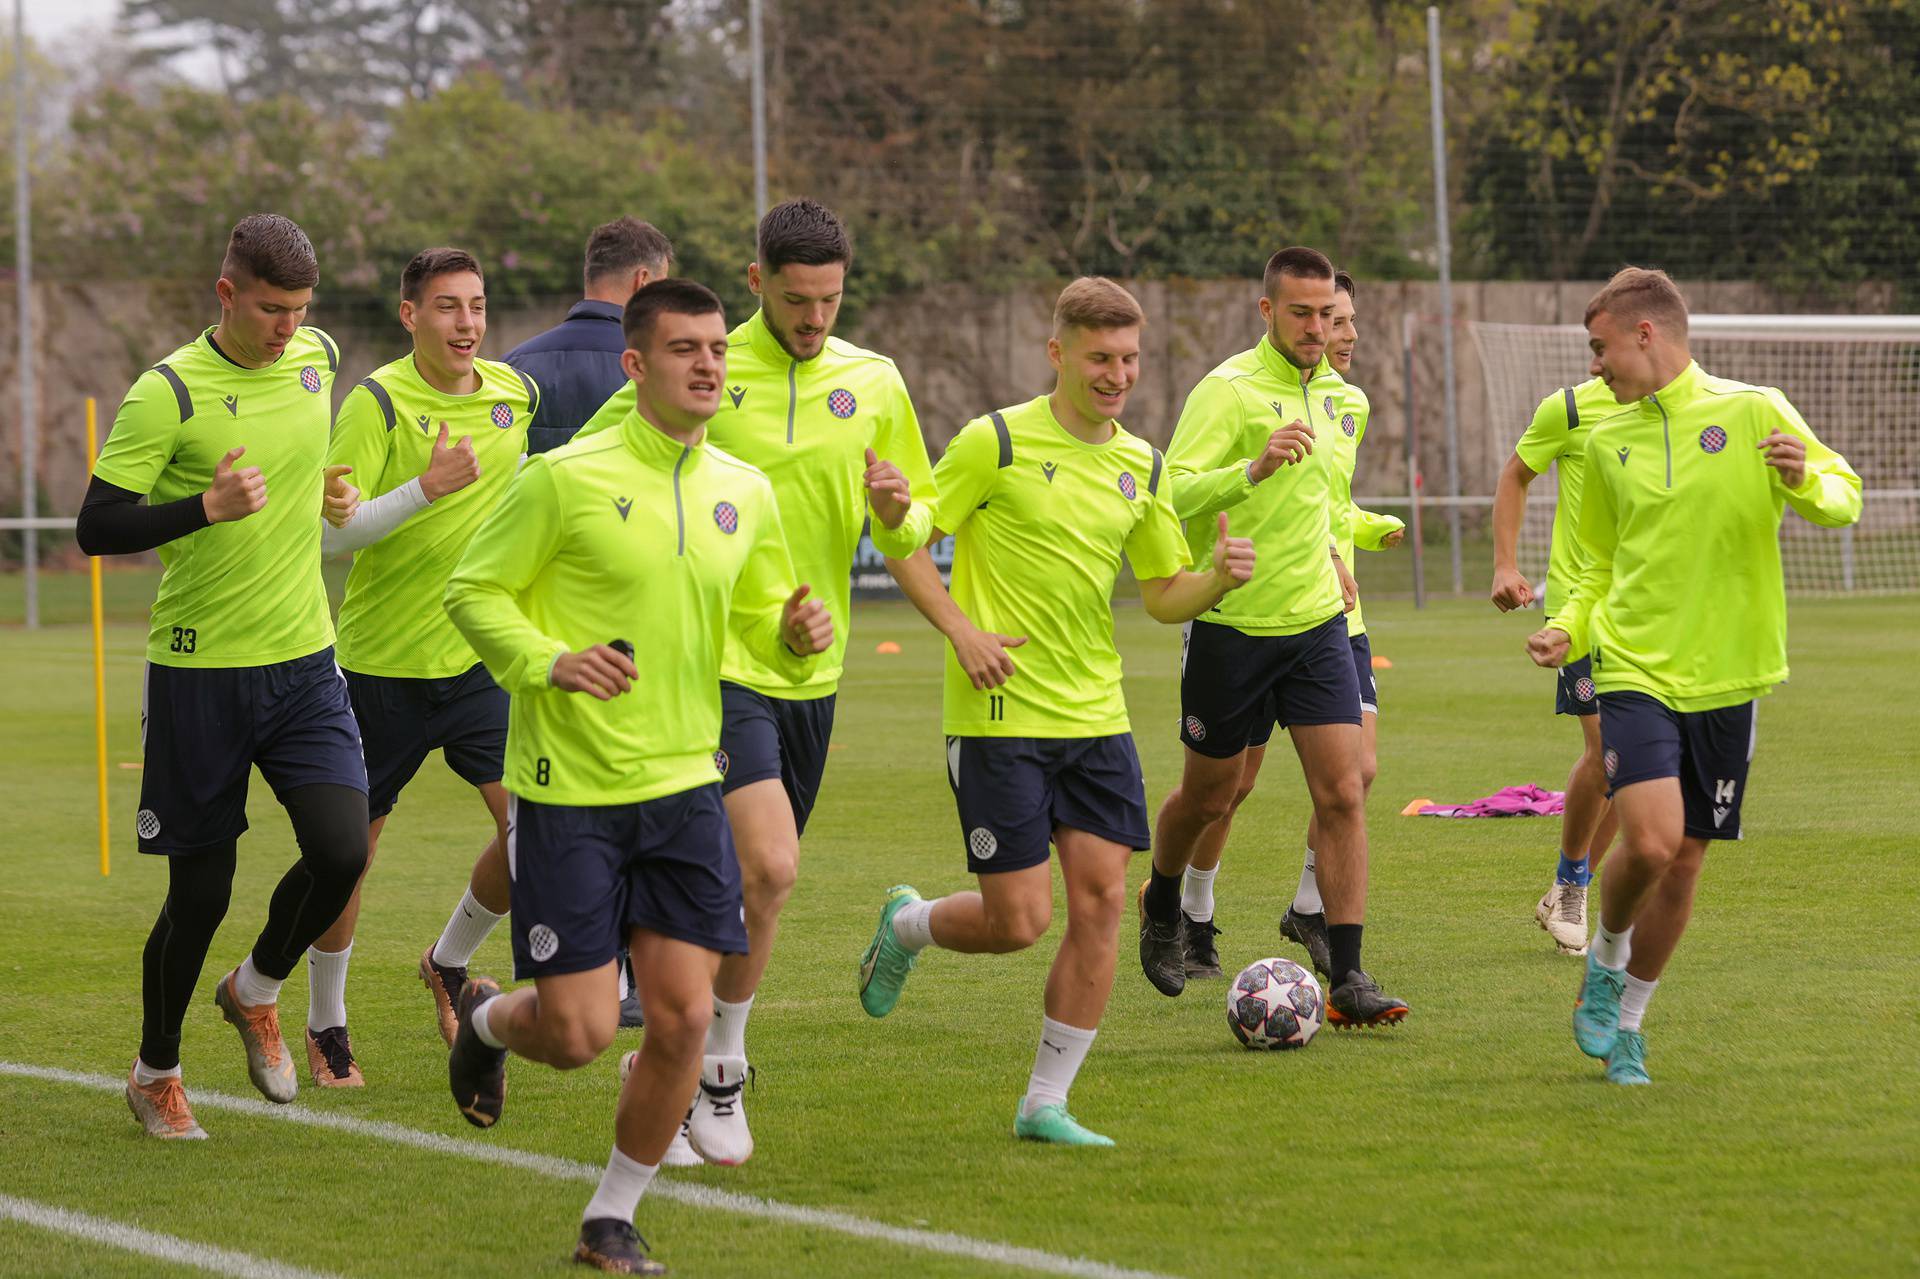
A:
1573,871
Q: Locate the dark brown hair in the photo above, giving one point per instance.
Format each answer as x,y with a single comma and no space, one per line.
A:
671,295
623,246
271,249
429,263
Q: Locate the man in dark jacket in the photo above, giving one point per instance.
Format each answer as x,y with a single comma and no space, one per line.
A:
577,362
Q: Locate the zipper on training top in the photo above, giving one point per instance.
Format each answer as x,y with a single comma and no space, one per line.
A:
679,509
1665,436
792,395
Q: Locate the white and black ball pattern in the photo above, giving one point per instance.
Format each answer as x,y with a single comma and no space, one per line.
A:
1275,1003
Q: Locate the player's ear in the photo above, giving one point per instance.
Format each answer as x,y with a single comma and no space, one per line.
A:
1054,356
223,289
407,314
634,365
753,278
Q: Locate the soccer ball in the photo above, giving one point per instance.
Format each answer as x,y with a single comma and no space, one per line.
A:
1275,1003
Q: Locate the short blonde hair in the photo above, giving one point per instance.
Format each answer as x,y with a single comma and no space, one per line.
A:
1095,302
1636,293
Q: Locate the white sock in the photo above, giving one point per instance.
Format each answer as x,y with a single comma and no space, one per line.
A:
1634,1000
621,1186
727,1032
251,989
465,930
482,1024
146,1076
327,987
913,925
1196,894
1055,1062
1306,898
1612,950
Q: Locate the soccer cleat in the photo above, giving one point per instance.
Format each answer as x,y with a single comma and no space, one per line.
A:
1627,1063
717,1128
443,982
1196,942
1310,931
1357,1001
1563,914
884,967
1051,1123
330,1058
680,1151
269,1064
1162,956
476,1073
1596,1013
161,1107
614,1246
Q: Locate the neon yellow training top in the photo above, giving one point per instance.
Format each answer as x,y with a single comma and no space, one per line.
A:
807,425
393,620
676,549
243,592
1040,519
1682,596
1353,526
1223,427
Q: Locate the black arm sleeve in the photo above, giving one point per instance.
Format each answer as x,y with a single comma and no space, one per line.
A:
113,522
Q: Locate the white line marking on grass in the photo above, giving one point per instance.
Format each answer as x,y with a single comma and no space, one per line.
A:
694,1195
114,1234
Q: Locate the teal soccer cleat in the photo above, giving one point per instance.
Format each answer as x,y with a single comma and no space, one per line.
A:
1596,1015
1627,1063
884,968
1052,1123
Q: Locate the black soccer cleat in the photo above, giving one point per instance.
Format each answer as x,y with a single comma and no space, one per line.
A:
1196,939
612,1245
1357,1001
1310,931
1162,957
477,1073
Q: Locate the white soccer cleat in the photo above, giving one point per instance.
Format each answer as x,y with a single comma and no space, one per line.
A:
1563,914
717,1128
680,1152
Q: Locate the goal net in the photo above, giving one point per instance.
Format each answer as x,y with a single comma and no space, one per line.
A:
1856,380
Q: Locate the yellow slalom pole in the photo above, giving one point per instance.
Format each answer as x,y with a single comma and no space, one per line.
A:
99,663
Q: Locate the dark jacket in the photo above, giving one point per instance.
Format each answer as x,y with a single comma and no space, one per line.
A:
577,364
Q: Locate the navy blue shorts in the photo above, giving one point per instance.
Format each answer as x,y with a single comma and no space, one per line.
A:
1363,672
402,721
203,730
1013,792
586,877
764,737
1709,751
1235,687
1574,694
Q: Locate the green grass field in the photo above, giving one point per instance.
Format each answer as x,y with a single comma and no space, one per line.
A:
1780,1134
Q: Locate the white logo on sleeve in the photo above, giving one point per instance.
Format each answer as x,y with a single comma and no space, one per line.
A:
542,943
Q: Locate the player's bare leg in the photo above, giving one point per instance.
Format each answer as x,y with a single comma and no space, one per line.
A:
1652,846
1202,957
767,840
1330,758
1204,798
1563,911
1305,920
443,965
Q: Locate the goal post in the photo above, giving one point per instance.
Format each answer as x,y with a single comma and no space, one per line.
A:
1856,380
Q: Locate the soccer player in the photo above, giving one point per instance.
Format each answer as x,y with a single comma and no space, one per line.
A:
833,428
416,685
1682,607
1352,526
601,593
1557,435
1278,653
1043,498
225,438
577,362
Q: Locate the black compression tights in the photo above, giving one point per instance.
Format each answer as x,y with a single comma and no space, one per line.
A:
330,825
